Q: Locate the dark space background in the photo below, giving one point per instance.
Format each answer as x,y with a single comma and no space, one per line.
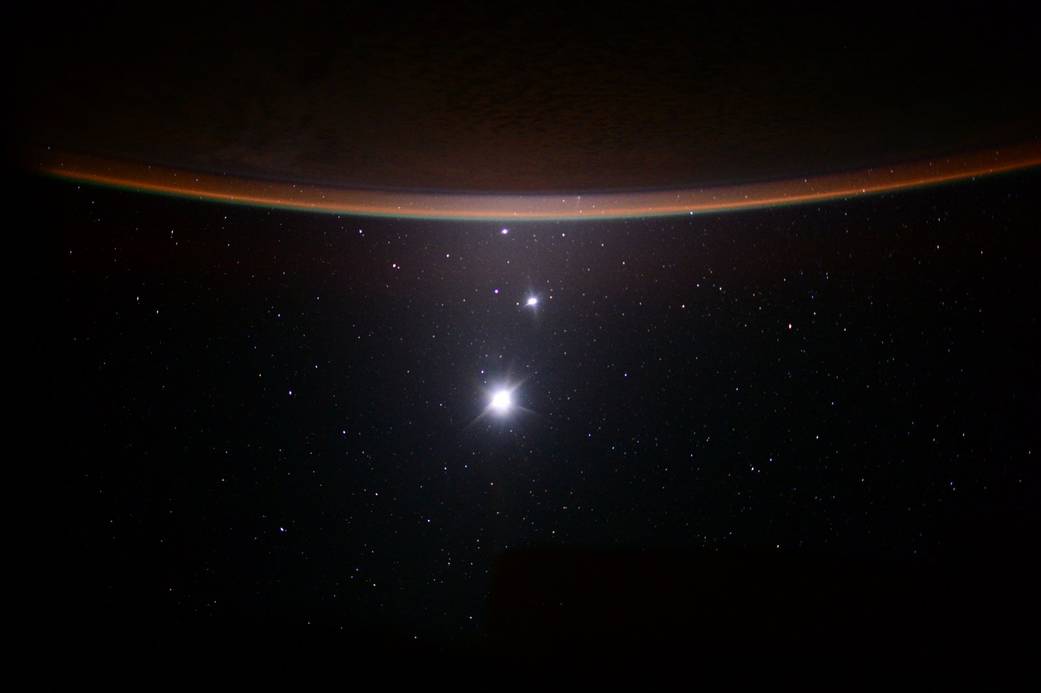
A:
271,415
799,426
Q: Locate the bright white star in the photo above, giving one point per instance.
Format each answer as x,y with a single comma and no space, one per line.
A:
501,402
532,302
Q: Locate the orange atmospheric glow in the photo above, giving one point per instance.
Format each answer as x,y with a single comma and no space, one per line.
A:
520,207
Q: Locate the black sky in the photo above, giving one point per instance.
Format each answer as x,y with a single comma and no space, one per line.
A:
274,422
270,423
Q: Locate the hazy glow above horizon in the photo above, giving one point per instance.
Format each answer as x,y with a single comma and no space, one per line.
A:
522,207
